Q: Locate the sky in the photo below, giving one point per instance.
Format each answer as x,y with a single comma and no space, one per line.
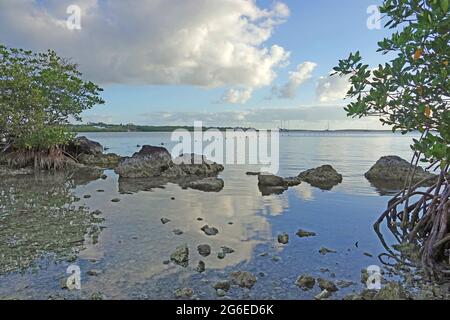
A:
258,63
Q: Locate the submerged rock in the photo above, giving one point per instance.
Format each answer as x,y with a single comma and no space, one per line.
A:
181,256
324,177
177,232
303,233
209,231
204,250
243,279
283,238
210,184
227,250
324,251
327,285
305,282
344,283
390,172
392,291
222,285
201,267
165,220
184,293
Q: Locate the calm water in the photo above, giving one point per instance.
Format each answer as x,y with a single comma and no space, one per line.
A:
43,229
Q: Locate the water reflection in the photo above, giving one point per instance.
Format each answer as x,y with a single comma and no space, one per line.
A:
132,249
39,216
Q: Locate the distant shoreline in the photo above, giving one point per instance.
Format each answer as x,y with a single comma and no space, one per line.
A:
111,128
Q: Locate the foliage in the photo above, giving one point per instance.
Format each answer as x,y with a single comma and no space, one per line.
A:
39,94
411,91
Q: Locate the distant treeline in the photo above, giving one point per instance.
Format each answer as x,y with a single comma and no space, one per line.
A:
103,127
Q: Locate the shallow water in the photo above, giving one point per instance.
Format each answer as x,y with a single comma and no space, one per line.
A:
43,230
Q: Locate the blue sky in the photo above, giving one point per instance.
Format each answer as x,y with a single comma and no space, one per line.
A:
318,32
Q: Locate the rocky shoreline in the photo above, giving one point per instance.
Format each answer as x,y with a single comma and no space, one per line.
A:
152,167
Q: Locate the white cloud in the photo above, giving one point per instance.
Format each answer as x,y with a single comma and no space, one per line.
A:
237,96
332,88
296,79
191,42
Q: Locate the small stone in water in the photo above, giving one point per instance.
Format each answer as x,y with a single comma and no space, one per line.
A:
283,238
324,251
210,231
178,232
165,220
115,200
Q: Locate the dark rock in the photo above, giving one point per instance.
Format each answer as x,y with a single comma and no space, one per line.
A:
210,231
222,285
83,145
292,181
327,285
227,250
324,177
270,180
283,238
177,232
270,184
221,255
390,172
201,267
181,255
303,233
305,282
204,250
324,251
94,272
243,279
165,220
251,173
150,161
115,200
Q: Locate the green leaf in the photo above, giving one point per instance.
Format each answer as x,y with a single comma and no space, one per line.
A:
444,6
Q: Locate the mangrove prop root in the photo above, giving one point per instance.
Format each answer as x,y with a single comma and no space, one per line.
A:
421,218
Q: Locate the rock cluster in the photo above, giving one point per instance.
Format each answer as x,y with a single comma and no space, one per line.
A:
189,170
